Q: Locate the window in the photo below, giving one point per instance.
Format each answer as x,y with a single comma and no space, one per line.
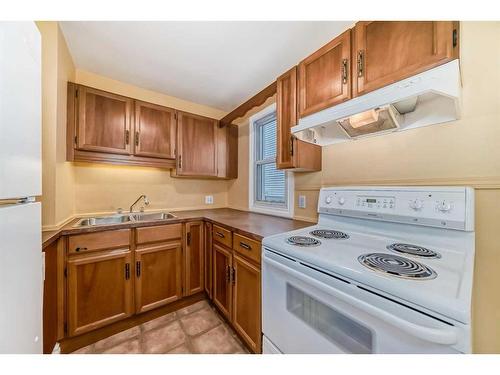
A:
270,188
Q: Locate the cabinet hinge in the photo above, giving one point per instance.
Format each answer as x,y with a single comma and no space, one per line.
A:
455,37
188,240
175,116
76,140
65,328
76,93
65,272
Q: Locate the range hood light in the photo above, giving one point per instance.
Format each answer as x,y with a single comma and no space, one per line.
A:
364,118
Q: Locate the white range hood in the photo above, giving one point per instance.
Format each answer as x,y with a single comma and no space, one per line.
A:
428,98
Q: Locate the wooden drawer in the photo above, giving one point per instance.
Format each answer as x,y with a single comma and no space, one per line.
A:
222,236
111,239
158,233
247,247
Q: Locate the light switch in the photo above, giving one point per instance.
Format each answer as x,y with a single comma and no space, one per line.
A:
302,201
209,199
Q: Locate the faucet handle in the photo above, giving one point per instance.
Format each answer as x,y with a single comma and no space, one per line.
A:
141,209
119,210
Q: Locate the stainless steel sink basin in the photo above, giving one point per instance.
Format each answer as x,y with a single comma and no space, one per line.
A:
153,216
103,220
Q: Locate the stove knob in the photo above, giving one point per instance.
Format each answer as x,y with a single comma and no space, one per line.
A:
328,199
341,201
444,206
416,204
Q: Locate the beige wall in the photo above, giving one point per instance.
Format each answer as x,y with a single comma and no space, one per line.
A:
57,174
464,152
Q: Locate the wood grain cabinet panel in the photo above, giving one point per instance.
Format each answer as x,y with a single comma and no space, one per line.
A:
194,257
389,51
196,145
103,121
155,130
99,290
221,288
246,317
324,76
292,153
207,231
158,275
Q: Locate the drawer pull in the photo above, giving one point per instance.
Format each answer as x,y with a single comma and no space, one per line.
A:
221,235
245,246
80,249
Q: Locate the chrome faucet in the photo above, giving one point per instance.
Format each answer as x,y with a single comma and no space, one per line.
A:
146,202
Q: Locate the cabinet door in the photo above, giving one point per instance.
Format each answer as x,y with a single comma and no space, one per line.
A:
208,259
196,145
221,288
388,51
99,290
227,151
103,121
324,76
286,116
247,302
194,257
155,128
158,272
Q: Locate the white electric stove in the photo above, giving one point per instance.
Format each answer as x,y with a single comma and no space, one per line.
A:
385,270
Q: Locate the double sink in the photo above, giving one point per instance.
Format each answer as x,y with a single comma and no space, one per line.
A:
122,219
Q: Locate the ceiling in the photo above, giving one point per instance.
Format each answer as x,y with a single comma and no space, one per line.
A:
219,64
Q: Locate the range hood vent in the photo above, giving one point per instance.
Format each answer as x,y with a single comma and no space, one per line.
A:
428,98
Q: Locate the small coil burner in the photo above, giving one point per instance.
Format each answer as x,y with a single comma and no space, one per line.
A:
415,250
303,241
329,234
397,266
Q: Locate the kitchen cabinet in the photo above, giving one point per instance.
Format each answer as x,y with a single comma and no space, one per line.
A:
196,145
388,51
155,130
324,77
158,266
246,317
104,121
99,289
292,153
221,289
194,265
227,151
207,261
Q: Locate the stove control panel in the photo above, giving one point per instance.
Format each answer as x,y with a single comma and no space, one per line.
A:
448,207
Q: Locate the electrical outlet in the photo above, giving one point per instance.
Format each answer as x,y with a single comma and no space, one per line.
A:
302,201
209,199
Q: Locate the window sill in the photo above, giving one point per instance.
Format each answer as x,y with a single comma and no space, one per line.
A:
272,211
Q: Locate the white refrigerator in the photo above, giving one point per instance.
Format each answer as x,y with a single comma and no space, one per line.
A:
21,274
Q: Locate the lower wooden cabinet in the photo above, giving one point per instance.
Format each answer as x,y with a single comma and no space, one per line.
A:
99,290
208,259
158,272
194,245
247,301
221,288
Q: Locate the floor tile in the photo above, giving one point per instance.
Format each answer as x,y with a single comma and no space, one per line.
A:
127,347
116,339
200,321
158,322
192,308
163,339
85,350
183,349
217,341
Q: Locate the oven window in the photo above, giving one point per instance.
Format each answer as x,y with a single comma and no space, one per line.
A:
335,326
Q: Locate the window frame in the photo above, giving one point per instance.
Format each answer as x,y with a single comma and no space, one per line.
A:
254,205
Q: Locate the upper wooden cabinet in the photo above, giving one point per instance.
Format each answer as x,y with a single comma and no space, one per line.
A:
155,129
197,145
388,51
103,121
292,153
324,77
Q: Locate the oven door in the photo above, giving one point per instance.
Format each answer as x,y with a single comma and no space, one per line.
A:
306,310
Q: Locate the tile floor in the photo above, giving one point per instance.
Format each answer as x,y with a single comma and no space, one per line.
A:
197,328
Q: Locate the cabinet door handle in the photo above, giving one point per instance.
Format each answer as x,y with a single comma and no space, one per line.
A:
361,63
233,275
221,235
138,269
188,239
127,137
180,161
344,71
80,249
228,273
245,246
137,138
127,271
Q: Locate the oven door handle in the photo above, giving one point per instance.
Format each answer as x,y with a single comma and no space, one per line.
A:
444,336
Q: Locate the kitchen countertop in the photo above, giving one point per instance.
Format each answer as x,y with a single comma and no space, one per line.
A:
250,224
